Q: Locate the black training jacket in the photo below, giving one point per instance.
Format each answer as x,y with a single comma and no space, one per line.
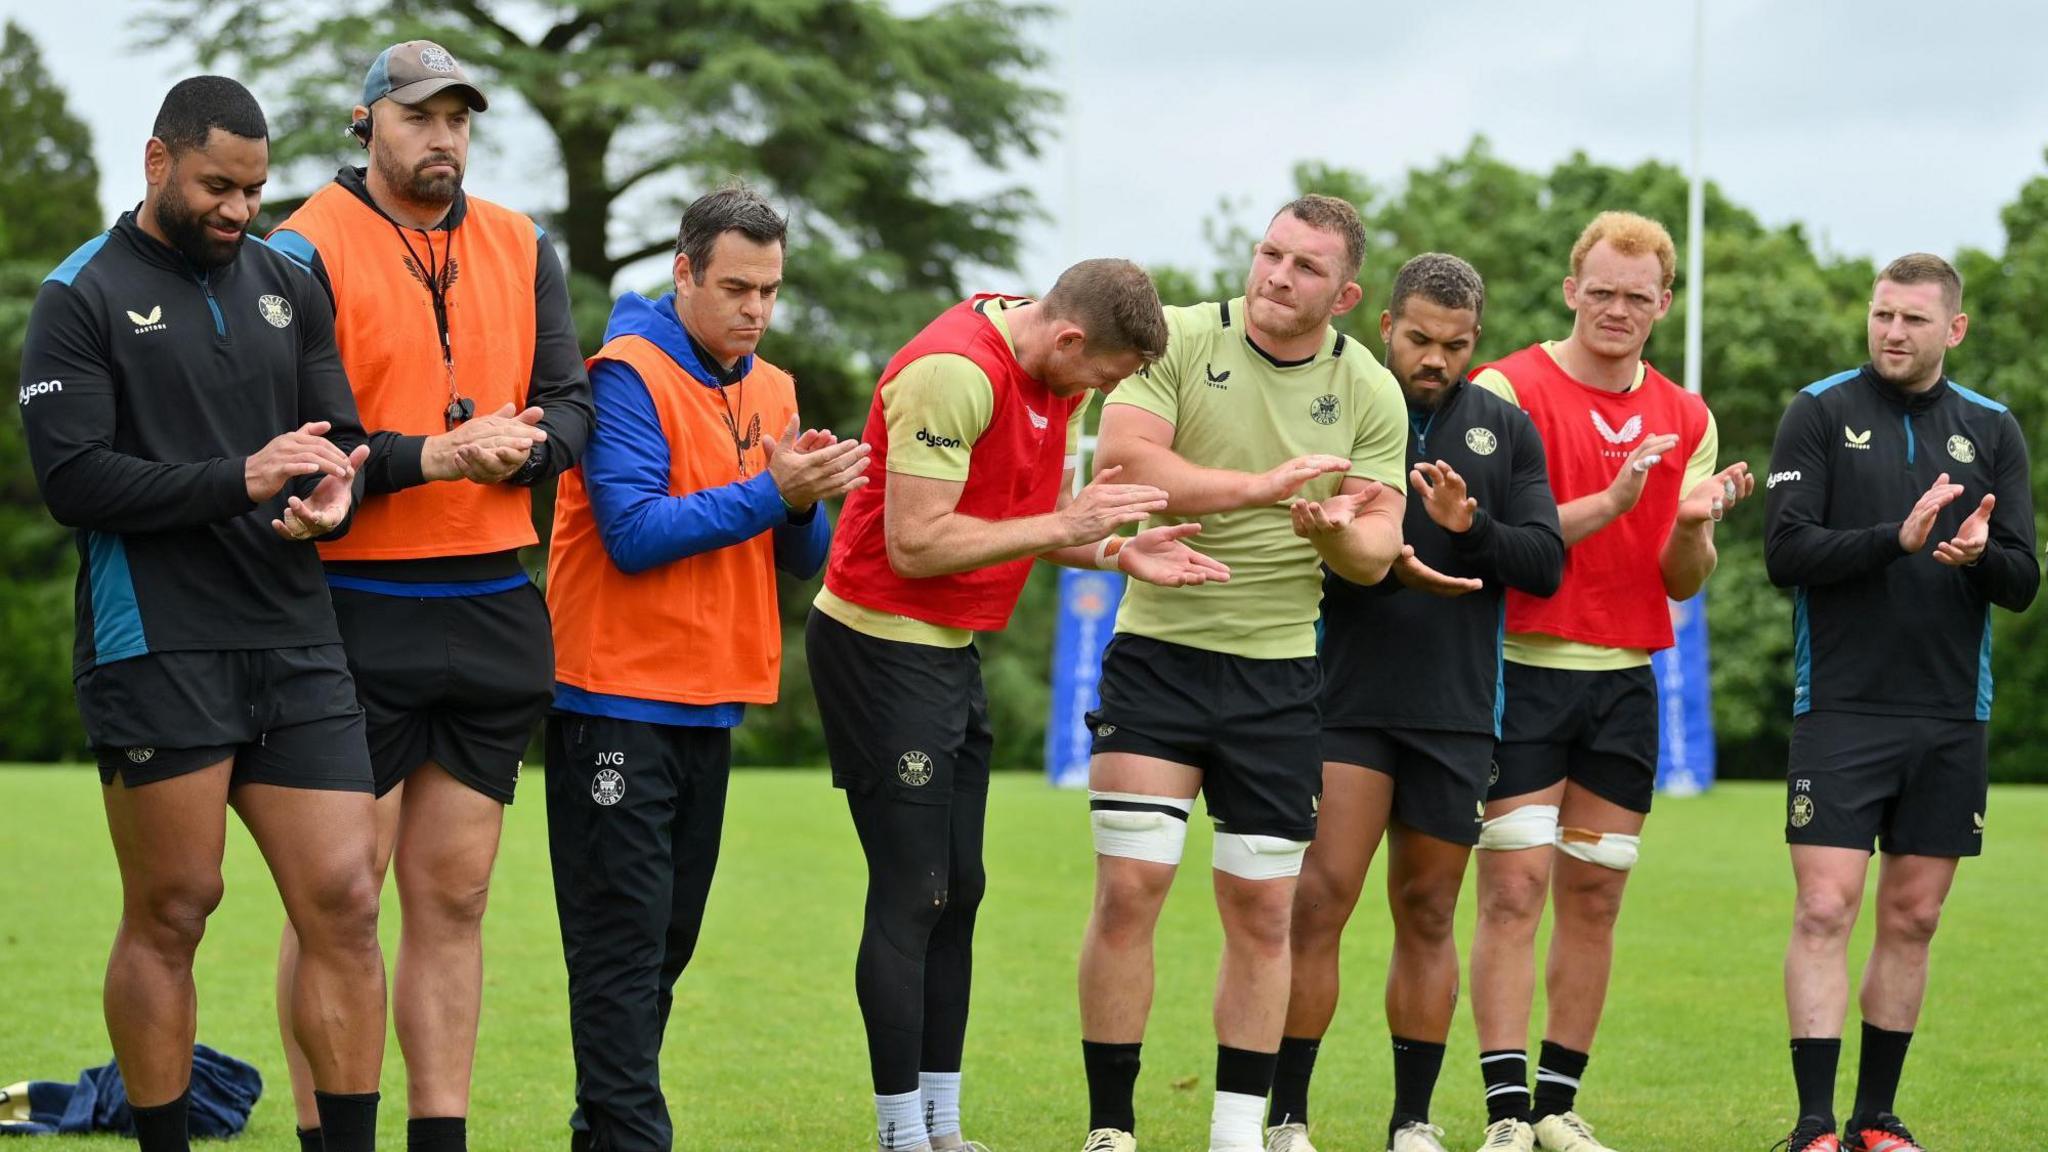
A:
145,385
1394,657
1874,629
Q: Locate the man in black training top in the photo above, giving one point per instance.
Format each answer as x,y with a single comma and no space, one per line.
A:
1899,513
187,413
1411,697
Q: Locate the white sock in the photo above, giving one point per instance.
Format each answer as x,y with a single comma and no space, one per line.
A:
1237,1124
941,1102
899,1122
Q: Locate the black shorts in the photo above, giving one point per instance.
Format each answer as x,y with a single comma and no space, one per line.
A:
1596,729
908,718
286,716
1253,728
458,680
1439,777
1910,785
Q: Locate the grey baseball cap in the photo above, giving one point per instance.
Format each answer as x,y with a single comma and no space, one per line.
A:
410,72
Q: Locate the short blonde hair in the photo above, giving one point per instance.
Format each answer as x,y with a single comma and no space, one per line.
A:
1631,235
1927,268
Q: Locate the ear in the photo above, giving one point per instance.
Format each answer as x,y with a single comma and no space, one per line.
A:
1386,328
1348,298
1069,338
1958,326
684,278
1665,305
1571,293
156,162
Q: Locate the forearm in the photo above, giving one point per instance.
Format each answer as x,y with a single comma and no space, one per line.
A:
1364,551
2007,576
1191,489
648,531
1526,557
1801,554
1578,519
108,491
954,542
803,541
1688,559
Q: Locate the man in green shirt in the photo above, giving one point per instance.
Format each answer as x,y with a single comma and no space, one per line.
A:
1287,442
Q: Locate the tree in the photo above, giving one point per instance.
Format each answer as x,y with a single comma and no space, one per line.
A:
49,204
841,109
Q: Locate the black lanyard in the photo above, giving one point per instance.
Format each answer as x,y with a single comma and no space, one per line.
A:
460,407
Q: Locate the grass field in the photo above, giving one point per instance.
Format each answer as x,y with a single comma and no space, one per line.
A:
765,1050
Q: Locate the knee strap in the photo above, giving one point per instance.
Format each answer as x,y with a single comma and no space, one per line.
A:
1530,826
1135,827
1614,850
1258,857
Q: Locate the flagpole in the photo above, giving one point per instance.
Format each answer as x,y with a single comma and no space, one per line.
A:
1696,208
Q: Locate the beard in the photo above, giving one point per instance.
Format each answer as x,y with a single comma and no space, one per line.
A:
1427,400
412,183
188,233
1920,367
1280,324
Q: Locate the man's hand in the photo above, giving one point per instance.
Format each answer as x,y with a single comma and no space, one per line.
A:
1920,521
292,455
1967,545
1413,573
1321,519
814,465
324,510
1713,497
485,449
1160,556
1105,506
1627,487
1443,495
1283,482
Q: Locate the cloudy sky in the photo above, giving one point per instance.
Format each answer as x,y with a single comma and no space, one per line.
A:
1883,125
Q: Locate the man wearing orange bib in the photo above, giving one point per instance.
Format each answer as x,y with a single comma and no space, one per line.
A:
661,578
976,425
452,315
1631,460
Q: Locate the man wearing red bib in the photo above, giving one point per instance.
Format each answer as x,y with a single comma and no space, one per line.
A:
974,430
1631,459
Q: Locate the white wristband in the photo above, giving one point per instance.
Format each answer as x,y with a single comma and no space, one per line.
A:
1106,557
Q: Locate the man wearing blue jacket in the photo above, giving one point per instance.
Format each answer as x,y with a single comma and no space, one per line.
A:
695,488
1900,512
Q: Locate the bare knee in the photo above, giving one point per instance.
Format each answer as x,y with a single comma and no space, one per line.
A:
450,901
1909,921
1513,898
1589,894
1128,895
339,913
170,917
1425,909
1257,916
1823,913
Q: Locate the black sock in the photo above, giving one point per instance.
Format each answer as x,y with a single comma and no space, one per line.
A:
1243,1072
437,1134
1814,1060
1112,1080
1416,1064
1290,1080
310,1141
1506,1071
1557,1079
348,1120
163,1128
1877,1070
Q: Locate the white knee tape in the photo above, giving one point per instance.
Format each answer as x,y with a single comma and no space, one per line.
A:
1530,826
1152,828
1607,849
1258,857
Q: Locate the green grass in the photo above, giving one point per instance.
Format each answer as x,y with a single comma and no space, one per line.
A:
765,1050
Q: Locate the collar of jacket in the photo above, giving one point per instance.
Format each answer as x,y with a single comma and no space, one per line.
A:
656,322
152,250
1910,401
357,183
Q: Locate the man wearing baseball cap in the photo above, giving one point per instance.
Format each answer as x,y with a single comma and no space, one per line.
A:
452,315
